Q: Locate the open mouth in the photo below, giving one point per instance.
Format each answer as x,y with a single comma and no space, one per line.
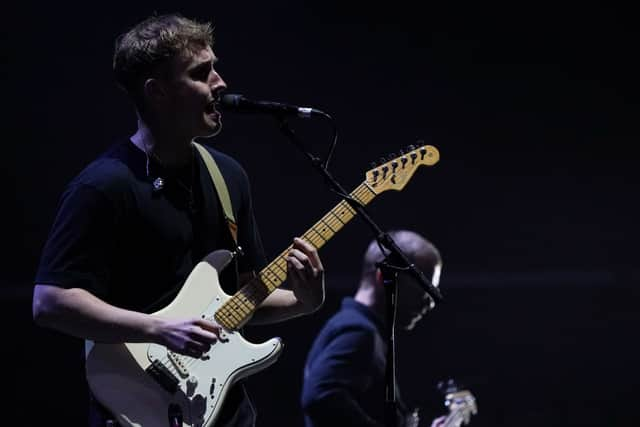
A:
210,108
215,105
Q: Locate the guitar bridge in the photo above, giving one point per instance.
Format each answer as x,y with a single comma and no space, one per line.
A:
163,376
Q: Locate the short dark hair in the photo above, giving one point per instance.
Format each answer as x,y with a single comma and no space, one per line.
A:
417,248
141,51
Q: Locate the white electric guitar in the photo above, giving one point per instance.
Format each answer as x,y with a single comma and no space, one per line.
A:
140,382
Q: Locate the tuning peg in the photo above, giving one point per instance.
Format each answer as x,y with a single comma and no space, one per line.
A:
392,156
402,151
411,147
374,165
448,386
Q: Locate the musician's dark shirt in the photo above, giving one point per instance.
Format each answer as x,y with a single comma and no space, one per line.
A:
133,246
344,371
130,245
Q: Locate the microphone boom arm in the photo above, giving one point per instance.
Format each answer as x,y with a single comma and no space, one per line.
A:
381,236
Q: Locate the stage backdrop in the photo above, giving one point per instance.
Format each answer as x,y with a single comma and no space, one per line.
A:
533,107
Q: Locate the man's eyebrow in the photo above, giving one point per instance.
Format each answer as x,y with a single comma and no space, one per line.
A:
203,65
210,62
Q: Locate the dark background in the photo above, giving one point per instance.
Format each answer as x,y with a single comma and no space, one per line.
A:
533,107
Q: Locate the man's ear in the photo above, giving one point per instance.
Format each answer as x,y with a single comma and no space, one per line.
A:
153,90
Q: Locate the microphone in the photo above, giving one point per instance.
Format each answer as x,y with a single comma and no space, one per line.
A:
240,104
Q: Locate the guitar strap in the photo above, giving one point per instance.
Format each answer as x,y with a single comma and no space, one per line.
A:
221,188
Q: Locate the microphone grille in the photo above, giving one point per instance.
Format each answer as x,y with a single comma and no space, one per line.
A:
231,100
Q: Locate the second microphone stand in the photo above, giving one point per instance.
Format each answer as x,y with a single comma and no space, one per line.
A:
395,262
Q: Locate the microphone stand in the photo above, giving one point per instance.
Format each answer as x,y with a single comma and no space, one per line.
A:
389,270
383,238
390,281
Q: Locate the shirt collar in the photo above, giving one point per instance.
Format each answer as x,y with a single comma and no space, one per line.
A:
351,303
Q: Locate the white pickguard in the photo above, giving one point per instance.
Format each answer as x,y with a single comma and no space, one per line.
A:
117,377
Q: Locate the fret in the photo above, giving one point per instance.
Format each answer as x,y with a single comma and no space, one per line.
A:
248,299
328,225
337,218
243,302
333,220
256,290
226,317
369,189
346,207
309,238
322,240
283,267
278,273
269,281
323,230
342,213
237,307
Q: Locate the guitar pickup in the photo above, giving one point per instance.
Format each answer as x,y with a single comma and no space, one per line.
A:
177,361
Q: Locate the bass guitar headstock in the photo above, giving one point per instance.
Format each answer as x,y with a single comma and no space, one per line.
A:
460,402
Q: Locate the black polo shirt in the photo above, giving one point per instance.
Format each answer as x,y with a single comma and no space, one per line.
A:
133,246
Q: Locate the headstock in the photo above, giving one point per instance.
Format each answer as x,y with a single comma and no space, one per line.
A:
461,404
395,173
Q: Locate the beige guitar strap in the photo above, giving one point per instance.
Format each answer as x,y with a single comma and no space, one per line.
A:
221,188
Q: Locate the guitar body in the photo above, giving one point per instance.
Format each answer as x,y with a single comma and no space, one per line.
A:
138,382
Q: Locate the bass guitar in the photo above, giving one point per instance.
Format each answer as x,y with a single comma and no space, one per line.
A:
460,403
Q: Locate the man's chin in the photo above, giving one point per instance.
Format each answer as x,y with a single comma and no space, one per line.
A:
211,131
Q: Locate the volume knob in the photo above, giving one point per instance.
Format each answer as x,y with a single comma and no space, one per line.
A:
192,383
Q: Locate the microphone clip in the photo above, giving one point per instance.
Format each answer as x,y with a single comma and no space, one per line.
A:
158,185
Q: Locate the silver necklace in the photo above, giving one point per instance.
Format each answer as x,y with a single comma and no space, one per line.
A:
159,182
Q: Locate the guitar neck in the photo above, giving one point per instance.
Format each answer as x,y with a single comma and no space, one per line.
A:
454,419
234,313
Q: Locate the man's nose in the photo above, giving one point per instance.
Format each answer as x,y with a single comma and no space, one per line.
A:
217,83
